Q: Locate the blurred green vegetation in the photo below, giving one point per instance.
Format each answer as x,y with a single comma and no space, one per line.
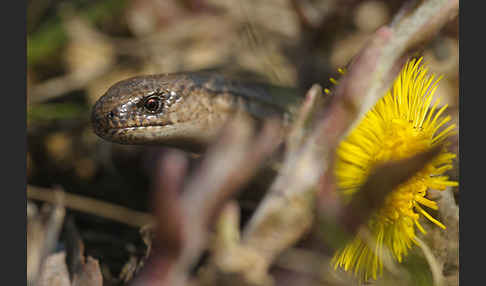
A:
418,268
55,111
47,40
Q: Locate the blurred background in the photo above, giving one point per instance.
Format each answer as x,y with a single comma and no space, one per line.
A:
77,49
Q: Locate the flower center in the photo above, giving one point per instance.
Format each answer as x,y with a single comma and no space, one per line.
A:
401,140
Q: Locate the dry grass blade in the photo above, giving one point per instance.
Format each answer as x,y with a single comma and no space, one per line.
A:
313,98
92,206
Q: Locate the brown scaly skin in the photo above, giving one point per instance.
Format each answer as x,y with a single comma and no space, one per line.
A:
184,110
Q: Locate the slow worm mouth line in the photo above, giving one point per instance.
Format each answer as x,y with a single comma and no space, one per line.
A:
112,132
136,127
140,127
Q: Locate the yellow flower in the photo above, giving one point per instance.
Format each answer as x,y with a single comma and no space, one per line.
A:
403,123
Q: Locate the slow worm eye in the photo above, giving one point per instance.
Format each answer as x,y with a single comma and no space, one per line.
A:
152,104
